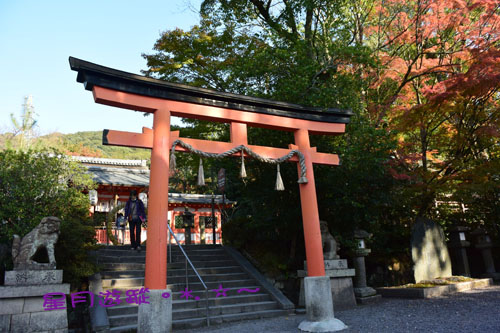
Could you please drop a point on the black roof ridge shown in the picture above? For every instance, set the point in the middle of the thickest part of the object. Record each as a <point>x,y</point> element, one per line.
<point>93,74</point>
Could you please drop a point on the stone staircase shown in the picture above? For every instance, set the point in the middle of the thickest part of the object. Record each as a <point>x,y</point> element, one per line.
<point>123,269</point>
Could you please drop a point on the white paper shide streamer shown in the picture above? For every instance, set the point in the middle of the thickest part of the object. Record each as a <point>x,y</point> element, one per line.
<point>201,174</point>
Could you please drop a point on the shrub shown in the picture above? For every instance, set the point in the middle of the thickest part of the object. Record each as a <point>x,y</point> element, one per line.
<point>35,184</point>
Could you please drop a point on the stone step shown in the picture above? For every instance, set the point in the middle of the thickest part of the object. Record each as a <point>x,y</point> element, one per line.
<point>233,298</point>
<point>136,283</point>
<point>176,295</point>
<point>140,256</point>
<point>208,278</point>
<point>205,270</point>
<point>205,263</point>
<point>122,266</point>
<point>224,310</point>
<point>199,257</point>
<point>176,251</point>
<point>106,274</point>
<point>200,322</point>
<point>182,304</point>
<point>174,247</point>
<point>142,260</point>
<point>214,311</point>
<point>129,258</point>
<point>123,270</point>
<point>192,278</point>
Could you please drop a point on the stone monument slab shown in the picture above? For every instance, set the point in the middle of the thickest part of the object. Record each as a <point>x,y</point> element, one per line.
<point>429,251</point>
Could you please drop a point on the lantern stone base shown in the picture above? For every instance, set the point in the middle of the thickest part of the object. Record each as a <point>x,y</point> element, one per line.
<point>319,306</point>
<point>366,295</point>
<point>157,315</point>
<point>340,284</point>
<point>22,304</point>
<point>364,292</point>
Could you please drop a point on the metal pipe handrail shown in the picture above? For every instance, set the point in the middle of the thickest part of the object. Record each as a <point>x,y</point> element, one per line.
<point>194,269</point>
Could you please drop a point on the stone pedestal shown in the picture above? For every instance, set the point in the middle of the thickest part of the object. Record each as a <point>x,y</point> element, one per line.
<point>483,243</point>
<point>340,283</point>
<point>458,251</point>
<point>157,315</point>
<point>22,304</point>
<point>319,306</point>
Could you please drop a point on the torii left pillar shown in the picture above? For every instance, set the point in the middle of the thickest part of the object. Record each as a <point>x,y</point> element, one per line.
<point>157,315</point>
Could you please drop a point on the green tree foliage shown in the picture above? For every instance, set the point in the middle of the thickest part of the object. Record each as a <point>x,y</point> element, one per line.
<point>23,135</point>
<point>420,76</point>
<point>35,184</point>
<point>90,144</point>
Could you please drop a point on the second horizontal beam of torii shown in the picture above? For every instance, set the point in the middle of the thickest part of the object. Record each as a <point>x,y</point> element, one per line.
<point>145,140</point>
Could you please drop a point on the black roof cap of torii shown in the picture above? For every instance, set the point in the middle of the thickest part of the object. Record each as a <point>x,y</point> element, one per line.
<point>91,74</point>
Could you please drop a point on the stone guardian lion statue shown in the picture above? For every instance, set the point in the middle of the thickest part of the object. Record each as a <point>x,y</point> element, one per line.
<point>330,246</point>
<point>44,235</point>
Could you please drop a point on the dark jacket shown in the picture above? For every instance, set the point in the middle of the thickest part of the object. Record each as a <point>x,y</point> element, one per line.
<point>140,209</point>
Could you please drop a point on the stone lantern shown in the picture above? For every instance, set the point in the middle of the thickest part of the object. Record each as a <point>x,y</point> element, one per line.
<point>484,243</point>
<point>458,250</point>
<point>187,223</point>
<point>364,294</point>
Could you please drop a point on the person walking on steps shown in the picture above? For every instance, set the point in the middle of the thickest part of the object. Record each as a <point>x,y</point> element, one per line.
<point>135,215</point>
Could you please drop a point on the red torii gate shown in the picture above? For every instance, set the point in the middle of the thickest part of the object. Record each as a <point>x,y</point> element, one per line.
<point>164,99</point>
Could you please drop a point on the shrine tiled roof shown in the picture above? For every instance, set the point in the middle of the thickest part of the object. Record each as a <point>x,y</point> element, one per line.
<point>119,176</point>
<point>110,161</point>
<point>182,198</point>
<point>91,75</point>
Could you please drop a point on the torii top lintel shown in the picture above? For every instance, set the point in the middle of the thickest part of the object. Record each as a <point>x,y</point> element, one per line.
<point>191,102</point>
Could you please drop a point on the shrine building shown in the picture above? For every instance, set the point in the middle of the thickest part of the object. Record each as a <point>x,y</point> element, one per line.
<point>117,177</point>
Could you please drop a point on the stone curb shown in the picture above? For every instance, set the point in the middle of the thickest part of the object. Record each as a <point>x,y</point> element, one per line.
<point>433,291</point>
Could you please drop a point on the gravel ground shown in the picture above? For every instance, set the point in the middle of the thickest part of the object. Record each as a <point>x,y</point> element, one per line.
<point>470,311</point>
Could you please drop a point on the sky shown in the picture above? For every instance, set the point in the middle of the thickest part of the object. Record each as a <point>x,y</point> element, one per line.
<point>37,38</point>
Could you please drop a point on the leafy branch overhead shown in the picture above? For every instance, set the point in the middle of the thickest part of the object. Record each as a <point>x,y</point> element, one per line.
<point>422,77</point>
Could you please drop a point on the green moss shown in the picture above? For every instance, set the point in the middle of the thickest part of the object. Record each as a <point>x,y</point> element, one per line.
<point>440,281</point>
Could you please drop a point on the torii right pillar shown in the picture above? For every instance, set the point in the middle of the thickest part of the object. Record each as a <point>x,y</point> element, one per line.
<point>317,288</point>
